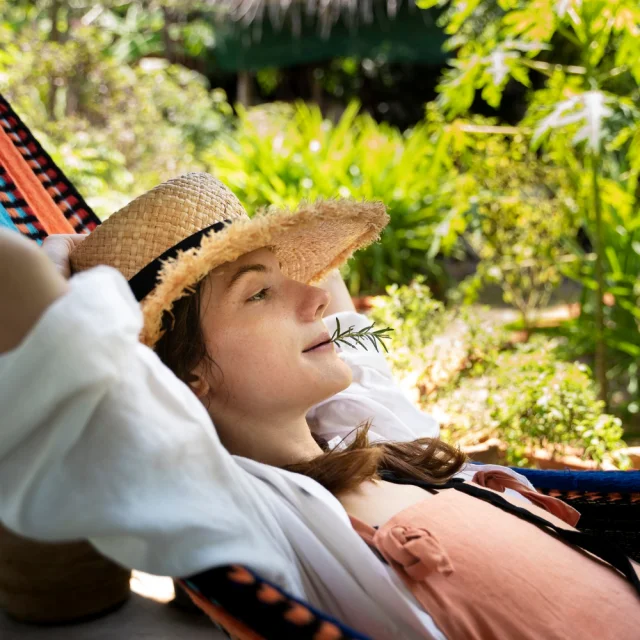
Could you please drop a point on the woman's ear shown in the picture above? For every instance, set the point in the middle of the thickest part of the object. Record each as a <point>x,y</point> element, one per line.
<point>198,385</point>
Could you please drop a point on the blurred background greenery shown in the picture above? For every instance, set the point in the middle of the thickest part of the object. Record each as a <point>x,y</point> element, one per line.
<point>503,135</point>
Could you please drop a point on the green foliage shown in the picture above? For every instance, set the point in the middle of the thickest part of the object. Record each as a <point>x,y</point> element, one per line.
<point>622,311</point>
<point>524,216</point>
<point>581,61</point>
<point>415,318</point>
<point>538,401</point>
<point>282,154</point>
<point>525,395</point>
<point>118,126</point>
<point>367,338</point>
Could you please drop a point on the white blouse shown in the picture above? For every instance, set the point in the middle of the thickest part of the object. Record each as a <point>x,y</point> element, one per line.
<point>99,440</point>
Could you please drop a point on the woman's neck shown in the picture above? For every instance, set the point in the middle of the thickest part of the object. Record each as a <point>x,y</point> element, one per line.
<point>277,442</point>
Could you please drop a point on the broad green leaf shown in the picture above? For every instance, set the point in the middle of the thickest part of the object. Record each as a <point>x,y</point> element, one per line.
<point>626,347</point>
<point>613,260</point>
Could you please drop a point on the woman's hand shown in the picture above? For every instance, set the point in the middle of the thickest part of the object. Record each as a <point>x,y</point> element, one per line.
<point>58,248</point>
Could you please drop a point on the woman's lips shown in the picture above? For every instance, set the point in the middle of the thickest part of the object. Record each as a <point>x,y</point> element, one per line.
<point>323,346</point>
<point>320,340</point>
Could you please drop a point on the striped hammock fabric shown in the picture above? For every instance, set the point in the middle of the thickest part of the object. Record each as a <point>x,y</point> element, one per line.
<point>36,198</point>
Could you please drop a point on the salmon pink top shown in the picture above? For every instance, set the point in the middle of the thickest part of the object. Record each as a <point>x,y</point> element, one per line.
<point>483,573</point>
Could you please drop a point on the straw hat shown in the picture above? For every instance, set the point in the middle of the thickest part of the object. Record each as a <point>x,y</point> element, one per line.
<point>168,239</point>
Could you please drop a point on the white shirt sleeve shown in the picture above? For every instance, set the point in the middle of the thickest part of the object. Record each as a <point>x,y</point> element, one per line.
<point>99,440</point>
<point>373,395</point>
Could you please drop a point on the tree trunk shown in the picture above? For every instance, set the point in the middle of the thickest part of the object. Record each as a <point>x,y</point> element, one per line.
<point>316,88</point>
<point>245,88</point>
<point>54,36</point>
<point>601,354</point>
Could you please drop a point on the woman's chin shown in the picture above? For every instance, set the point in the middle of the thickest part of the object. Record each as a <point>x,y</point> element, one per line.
<point>337,377</point>
<point>323,376</point>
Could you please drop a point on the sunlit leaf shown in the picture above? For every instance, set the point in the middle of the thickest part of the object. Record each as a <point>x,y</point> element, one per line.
<point>535,22</point>
<point>589,109</point>
<point>562,6</point>
<point>498,67</point>
<point>613,260</point>
<point>595,111</point>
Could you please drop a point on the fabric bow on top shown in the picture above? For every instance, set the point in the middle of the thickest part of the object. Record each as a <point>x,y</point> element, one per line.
<point>416,550</point>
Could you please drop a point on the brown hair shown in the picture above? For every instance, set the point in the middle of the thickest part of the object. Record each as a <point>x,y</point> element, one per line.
<point>340,470</point>
<point>182,347</point>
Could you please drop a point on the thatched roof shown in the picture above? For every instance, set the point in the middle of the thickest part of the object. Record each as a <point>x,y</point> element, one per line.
<point>291,14</point>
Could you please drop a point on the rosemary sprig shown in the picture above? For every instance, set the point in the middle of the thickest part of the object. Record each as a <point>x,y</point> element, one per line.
<point>362,337</point>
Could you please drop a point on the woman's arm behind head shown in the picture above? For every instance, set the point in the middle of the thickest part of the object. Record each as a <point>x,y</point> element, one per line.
<point>29,283</point>
<point>340,297</point>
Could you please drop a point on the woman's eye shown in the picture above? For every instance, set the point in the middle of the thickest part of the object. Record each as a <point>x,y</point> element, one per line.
<point>261,295</point>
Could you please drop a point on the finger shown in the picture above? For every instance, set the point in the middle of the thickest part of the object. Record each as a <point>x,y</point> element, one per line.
<point>77,238</point>
<point>57,248</point>
<point>70,239</point>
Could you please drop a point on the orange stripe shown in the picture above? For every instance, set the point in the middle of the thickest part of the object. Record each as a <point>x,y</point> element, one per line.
<point>52,219</point>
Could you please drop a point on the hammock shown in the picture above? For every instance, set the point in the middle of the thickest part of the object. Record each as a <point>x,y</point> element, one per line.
<point>36,199</point>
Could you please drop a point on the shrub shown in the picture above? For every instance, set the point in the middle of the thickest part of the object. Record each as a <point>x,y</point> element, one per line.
<point>415,317</point>
<point>535,400</point>
<point>524,221</point>
<point>465,366</point>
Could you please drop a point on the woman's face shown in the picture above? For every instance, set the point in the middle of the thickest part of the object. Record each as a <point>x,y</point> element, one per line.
<point>260,329</point>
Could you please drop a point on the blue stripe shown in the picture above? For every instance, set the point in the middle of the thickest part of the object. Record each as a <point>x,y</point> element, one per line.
<point>601,481</point>
<point>11,197</point>
<point>5,220</point>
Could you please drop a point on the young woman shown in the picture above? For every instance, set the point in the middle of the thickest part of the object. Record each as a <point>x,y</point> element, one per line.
<point>180,457</point>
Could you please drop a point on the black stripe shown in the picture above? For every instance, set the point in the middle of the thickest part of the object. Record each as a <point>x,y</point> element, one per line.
<point>143,283</point>
<point>18,203</point>
<point>37,235</point>
<point>24,219</point>
<point>60,197</point>
<point>48,183</point>
<point>21,144</point>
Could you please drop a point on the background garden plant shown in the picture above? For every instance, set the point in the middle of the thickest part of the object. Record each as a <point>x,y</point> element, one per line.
<point>523,394</point>
<point>580,60</point>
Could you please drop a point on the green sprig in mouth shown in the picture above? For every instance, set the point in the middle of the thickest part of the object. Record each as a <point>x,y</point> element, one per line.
<point>363,337</point>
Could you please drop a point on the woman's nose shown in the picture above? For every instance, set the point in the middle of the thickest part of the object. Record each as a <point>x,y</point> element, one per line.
<point>323,301</point>
<point>316,300</point>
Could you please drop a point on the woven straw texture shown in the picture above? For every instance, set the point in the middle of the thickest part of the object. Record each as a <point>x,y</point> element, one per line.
<point>309,242</point>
